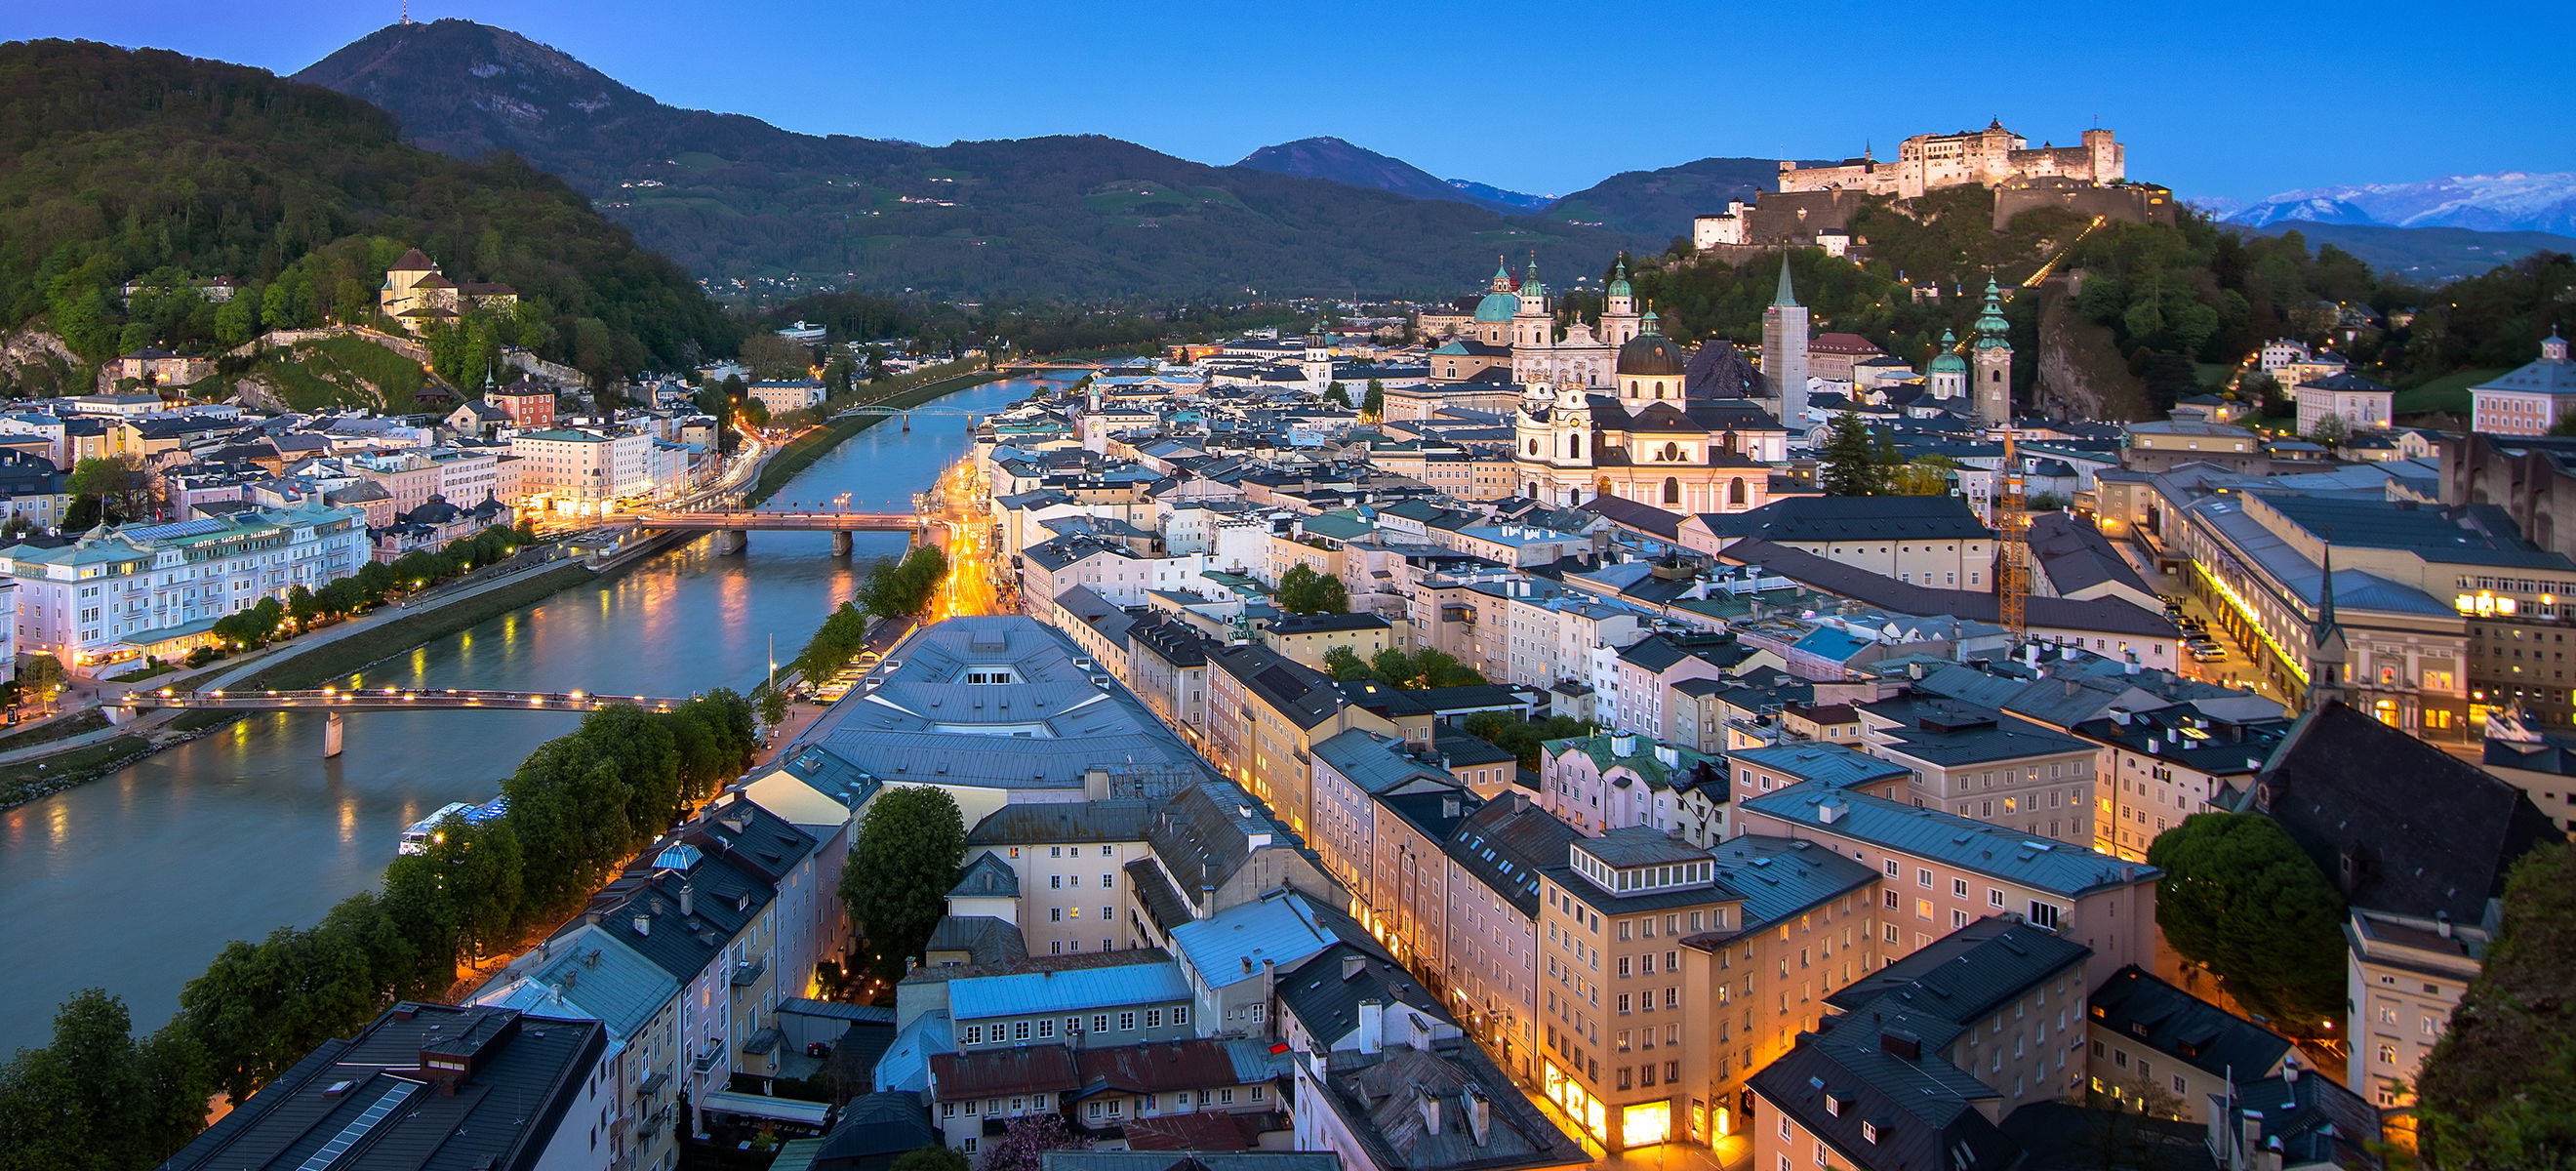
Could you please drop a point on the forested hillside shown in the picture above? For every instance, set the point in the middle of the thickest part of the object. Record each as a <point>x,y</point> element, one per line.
<point>126,165</point>
<point>2174,301</point>
<point>1067,216</point>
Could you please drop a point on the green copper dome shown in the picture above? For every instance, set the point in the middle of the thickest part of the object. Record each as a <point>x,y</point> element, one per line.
<point>1991,325</point>
<point>1948,360</point>
<point>1497,307</point>
<point>1619,280</point>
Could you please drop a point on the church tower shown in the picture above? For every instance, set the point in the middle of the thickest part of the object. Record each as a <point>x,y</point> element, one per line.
<point>1993,361</point>
<point>1318,366</point>
<point>1949,371</point>
<point>1535,325</point>
<point>2328,662</point>
<point>1619,318</point>
<point>1784,351</point>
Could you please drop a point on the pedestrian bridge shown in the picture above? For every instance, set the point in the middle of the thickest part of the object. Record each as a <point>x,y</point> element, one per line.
<point>338,701</point>
<point>733,527</point>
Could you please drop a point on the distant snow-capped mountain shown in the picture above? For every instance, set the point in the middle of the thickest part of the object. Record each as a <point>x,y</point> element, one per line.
<point>2515,201</point>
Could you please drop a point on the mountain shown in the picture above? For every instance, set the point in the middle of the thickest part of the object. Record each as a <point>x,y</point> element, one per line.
<point>1358,166</point>
<point>1496,197</point>
<point>2426,256</point>
<point>2515,201</point>
<point>734,197</point>
<point>1659,204</point>
<point>126,164</point>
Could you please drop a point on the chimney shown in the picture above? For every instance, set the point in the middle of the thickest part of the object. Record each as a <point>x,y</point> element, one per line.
<point>643,924</point>
<point>2442,923</point>
<point>688,898</point>
<point>1430,1113</point>
<point>1480,1115</point>
<point>1372,1026</point>
<point>590,918</point>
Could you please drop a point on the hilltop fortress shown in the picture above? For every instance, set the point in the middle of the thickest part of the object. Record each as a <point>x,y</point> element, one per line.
<point>1992,157</point>
<point>1814,205</point>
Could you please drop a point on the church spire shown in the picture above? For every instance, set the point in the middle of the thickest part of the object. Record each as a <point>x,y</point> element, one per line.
<point>1991,326</point>
<point>1786,295</point>
<point>2326,662</point>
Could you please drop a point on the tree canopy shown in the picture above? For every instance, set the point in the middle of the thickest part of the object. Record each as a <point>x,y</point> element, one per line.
<point>907,857</point>
<point>2499,1090</point>
<point>1304,591</point>
<point>148,164</point>
<point>2239,897</point>
<point>1401,669</point>
<point>97,1099</point>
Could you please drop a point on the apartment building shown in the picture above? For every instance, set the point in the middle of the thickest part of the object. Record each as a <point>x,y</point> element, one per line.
<point>1668,970</point>
<point>1944,871</point>
<point>1614,780</point>
<point>1926,1059</point>
<point>1265,715</point>
<point>2159,766</point>
<point>1978,762</point>
<point>2171,1053</point>
<point>583,471</point>
<point>1068,862</point>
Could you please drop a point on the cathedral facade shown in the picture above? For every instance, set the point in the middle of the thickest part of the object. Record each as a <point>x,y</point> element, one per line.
<point>1646,433</point>
<point>1512,336</point>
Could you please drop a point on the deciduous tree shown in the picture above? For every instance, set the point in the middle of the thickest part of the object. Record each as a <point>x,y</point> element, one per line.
<point>900,870</point>
<point>2499,1090</point>
<point>2240,898</point>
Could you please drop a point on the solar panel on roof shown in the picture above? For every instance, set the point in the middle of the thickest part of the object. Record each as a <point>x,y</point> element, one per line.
<point>185,528</point>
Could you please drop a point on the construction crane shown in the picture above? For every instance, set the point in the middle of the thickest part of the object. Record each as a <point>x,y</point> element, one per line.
<point>2012,586</point>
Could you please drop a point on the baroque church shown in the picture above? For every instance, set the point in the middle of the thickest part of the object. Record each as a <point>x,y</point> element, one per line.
<point>1513,335</point>
<point>1653,430</point>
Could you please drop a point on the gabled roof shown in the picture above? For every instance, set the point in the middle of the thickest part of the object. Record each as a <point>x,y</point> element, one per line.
<point>2144,1009</point>
<point>2398,825</point>
<point>1985,848</point>
<point>987,877</point>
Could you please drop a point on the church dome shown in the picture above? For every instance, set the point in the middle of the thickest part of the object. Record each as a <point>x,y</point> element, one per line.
<point>1650,355</point>
<point>1497,307</point>
<point>1948,360</point>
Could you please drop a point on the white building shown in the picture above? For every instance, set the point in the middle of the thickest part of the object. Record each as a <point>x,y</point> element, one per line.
<point>116,595</point>
<point>583,471</point>
<point>782,397</point>
<point>2363,405</point>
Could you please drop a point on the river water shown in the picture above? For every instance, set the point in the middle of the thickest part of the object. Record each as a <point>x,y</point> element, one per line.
<point>133,882</point>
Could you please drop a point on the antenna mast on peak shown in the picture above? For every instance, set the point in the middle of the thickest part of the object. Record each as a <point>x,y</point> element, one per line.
<point>406,11</point>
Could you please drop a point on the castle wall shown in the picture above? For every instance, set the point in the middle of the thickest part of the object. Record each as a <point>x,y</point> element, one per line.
<point>2143,203</point>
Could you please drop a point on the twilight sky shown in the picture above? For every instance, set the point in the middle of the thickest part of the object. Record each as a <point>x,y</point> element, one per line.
<point>2234,99</point>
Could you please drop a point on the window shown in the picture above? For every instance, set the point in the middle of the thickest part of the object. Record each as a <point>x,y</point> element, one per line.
<point>1153,1018</point>
<point>1055,914</point>
<point>974,1034</point>
<point>1046,1028</point>
<point>1868,1131</point>
<point>1994,896</point>
<point>1100,1022</point>
<point>1126,1021</point>
<point>1055,882</point>
<point>1923,878</point>
<point>1180,1015</point>
<point>1959,887</point>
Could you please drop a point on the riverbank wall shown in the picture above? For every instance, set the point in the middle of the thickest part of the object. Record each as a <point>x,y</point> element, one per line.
<point>801,453</point>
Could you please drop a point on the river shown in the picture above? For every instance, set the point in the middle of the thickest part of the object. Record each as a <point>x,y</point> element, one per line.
<point>133,882</point>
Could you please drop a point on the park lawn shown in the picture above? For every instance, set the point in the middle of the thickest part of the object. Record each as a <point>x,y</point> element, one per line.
<point>2448,394</point>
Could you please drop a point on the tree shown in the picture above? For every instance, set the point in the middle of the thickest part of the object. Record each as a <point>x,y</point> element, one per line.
<point>1524,739</point>
<point>1337,394</point>
<point>754,412</point>
<point>1849,464</point>
<point>2331,431</point>
<point>2499,1090</point>
<point>94,1099</point>
<point>2240,898</point>
<point>930,1159</point>
<point>120,483</point>
<point>773,357</point>
<point>1346,665</point>
<point>1304,591</point>
<point>906,859</point>
<point>1928,476</point>
<point>40,673</point>
<point>1374,404</point>
<point>1026,1140</point>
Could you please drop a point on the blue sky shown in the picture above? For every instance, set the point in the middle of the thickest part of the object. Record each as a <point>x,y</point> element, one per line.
<point>2236,100</point>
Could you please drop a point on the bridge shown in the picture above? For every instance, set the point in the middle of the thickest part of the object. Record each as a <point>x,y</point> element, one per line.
<point>732,524</point>
<point>337,701</point>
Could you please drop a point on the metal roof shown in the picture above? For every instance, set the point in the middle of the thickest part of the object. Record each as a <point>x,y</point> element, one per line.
<point>1078,990</point>
<point>1992,850</point>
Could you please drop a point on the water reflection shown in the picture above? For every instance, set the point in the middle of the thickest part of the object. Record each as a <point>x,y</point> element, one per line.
<point>134,881</point>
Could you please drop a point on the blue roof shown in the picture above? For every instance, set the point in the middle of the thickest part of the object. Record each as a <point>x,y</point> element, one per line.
<point>1075,990</point>
<point>1230,946</point>
<point>1992,850</point>
<point>906,1064</point>
<point>1831,645</point>
<point>592,976</point>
